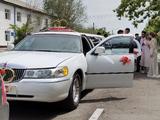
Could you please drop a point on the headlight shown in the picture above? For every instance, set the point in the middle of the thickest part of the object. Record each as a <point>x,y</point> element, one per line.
<point>46,73</point>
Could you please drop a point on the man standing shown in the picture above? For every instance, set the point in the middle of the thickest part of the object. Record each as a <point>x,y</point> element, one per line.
<point>137,37</point>
<point>142,42</point>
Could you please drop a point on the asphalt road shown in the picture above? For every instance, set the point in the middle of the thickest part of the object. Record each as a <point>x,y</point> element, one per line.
<point>142,102</point>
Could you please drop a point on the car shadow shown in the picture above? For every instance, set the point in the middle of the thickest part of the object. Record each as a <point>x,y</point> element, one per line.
<point>35,111</point>
<point>102,100</point>
<point>85,92</point>
<point>23,110</point>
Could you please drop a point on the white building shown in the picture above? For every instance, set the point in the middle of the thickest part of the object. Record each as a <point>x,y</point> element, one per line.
<point>16,12</point>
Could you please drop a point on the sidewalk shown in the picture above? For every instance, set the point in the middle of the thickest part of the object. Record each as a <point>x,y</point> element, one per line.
<point>3,49</point>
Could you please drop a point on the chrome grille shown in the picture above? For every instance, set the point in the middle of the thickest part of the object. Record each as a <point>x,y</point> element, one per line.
<point>19,73</point>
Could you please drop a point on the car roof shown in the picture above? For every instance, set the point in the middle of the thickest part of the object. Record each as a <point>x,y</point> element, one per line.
<point>118,35</point>
<point>93,35</point>
<point>58,33</point>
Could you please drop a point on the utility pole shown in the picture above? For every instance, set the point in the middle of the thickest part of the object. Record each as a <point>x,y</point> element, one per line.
<point>93,27</point>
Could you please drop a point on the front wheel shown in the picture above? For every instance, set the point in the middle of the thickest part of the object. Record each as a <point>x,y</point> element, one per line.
<point>73,98</point>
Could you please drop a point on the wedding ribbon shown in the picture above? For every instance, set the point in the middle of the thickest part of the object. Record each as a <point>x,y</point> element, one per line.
<point>4,98</point>
<point>3,89</point>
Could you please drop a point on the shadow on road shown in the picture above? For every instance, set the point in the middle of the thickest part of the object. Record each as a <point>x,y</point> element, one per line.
<point>102,100</point>
<point>85,92</point>
<point>38,111</point>
<point>35,111</point>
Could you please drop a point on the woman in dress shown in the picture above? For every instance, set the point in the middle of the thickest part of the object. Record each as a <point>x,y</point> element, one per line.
<point>145,57</point>
<point>153,67</point>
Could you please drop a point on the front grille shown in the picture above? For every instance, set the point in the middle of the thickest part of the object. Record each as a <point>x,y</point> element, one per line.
<point>19,73</point>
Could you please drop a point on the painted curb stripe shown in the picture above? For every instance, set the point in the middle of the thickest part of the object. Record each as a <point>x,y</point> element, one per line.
<point>110,73</point>
<point>96,114</point>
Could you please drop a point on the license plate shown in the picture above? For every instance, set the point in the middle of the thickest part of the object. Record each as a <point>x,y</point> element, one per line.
<point>10,89</point>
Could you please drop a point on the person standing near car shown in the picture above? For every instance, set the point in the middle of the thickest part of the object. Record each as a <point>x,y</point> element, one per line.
<point>138,38</point>
<point>120,31</point>
<point>146,55</point>
<point>153,68</point>
<point>142,42</point>
<point>127,31</point>
<point>132,44</point>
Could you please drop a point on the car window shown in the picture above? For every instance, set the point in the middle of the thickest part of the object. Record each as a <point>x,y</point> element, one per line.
<point>118,45</point>
<point>86,45</point>
<point>55,43</point>
<point>95,40</point>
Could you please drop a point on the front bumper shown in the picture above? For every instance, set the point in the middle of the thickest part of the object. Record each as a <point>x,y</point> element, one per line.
<point>39,91</point>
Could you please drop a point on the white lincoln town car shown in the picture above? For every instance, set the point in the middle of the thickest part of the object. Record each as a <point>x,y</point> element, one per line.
<point>57,66</point>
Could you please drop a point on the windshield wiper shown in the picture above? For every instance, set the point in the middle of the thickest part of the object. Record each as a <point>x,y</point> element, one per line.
<point>47,50</point>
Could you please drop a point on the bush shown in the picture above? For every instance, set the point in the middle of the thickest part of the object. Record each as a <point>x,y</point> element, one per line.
<point>21,32</point>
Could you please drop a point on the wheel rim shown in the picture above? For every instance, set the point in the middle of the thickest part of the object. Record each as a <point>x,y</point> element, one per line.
<point>76,90</point>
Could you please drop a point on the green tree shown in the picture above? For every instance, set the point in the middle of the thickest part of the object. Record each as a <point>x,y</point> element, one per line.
<point>72,11</point>
<point>103,32</point>
<point>21,32</point>
<point>138,10</point>
<point>153,25</point>
<point>100,31</point>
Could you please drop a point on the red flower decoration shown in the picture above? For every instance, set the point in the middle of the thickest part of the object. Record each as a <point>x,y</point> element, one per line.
<point>2,72</point>
<point>125,60</point>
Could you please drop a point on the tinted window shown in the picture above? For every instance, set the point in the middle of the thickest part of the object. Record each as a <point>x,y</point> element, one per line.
<point>118,45</point>
<point>120,42</point>
<point>86,45</point>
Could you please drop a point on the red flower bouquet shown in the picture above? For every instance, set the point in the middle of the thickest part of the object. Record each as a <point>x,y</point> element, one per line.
<point>125,60</point>
<point>2,72</point>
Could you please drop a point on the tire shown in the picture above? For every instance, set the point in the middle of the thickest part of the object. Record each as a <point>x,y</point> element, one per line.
<point>73,98</point>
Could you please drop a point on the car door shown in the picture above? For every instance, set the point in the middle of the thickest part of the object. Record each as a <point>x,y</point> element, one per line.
<point>111,69</point>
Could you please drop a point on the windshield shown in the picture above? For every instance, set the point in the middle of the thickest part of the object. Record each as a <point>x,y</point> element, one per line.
<point>52,43</point>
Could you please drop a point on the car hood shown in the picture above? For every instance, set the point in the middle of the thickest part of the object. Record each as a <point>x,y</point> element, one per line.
<point>30,59</point>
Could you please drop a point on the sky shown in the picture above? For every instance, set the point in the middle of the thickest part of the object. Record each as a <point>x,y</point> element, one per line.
<point>100,12</point>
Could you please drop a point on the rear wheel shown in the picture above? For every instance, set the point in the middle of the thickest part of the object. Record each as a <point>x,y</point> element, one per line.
<point>73,98</point>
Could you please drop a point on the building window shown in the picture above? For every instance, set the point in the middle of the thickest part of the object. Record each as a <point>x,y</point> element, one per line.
<point>38,20</point>
<point>46,22</point>
<point>19,16</point>
<point>7,35</point>
<point>7,14</point>
<point>29,19</point>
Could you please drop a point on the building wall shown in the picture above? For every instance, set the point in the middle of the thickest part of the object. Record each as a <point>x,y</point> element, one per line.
<point>4,23</point>
<point>38,21</point>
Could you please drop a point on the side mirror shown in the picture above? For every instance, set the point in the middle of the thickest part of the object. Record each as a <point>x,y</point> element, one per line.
<point>10,46</point>
<point>99,50</point>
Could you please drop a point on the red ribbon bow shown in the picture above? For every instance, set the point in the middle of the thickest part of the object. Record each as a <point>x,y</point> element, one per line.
<point>125,60</point>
